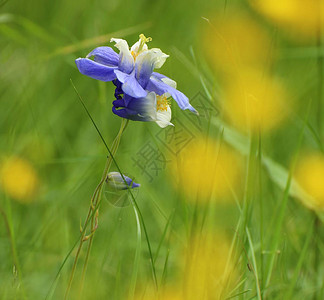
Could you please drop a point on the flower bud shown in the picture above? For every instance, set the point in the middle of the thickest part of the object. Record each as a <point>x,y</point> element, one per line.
<point>116,181</point>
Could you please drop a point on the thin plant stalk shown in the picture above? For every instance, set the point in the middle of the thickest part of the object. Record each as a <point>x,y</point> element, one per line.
<point>93,209</point>
<point>96,203</point>
<point>261,210</point>
<point>283,206</point>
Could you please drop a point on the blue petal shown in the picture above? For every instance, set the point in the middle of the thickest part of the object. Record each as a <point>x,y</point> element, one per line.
<point>130,84</point>
<point>128,99</point>
<point>158,86</point>
<point>118,91</point>
<point>119,103</point>
<point>129,114</point>
<point>158,75</point>
<point>121,76</point>
<point>120,112</point>
<point>95,70</point>
<point>135,185</point>
<point>143,73</point>
<point>133,88</point>
<point>126,64</point>
<point>128,180</point>
<point>105,55</point>
<point>144,66</point>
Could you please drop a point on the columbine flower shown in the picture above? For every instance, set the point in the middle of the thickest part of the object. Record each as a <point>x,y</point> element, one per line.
<point>116,181</point>
<point>132,73</point>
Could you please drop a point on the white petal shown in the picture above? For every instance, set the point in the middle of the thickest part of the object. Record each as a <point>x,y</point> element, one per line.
<point>169,82</point>
<point>154,57</point>
<point>150,106</point>
<point>164,118</point>
<point>160,57</point>
<point>120,43</point>
<point>126,62</point>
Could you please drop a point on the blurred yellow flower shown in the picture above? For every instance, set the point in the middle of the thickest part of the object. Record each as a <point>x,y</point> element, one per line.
<point>209,271</point>
<point>299,17</point>
<point>19,179</point>
<point>310,175</point>
<point>205,169</point>
<point>171,295</point>
<point>236,41</point>
<point>206,270</point>
<point>164,294</point>
<point>255,102</point>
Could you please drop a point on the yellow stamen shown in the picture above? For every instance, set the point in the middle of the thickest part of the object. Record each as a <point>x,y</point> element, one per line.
<point>143,41</point>
<point>162,103</point>
<point>134,54</point>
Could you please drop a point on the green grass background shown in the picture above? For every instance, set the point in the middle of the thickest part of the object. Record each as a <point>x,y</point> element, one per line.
<point>42,120</point>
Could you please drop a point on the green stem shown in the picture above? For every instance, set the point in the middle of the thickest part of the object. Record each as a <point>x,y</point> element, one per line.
<point>79,248</point>
<point>249,188</point>
<point>94,205</point>
<point>248,196</point>
<point>261,211</point>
